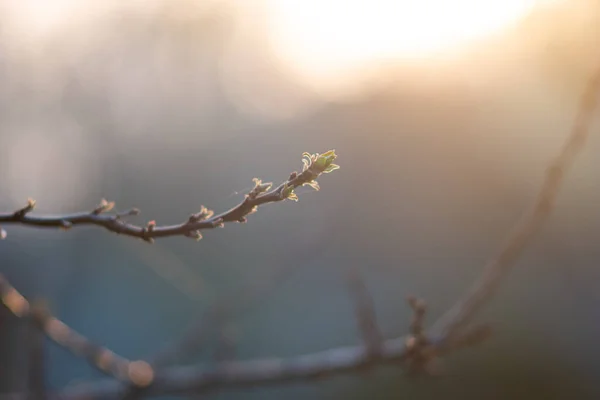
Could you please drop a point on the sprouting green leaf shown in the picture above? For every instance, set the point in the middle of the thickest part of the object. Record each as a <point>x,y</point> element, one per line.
<point>260,187</point>
<point>331,168</point>
<point>105,205</point>
<point>286,191</point>
<point>329,154</point>
<point>205,213</point>
<point>306,164</point>
<point>307,160</point>
<point>324,160</point>
<point>313,184</point>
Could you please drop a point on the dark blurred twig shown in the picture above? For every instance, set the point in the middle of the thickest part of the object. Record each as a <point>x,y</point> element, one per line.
<point>202,329</point>
<point>35,334</point>
<point>251,373</point>
<point>222,310</point>
<point>135,372</point>
<point>418,345</point>
<point>218,313</point>
<point>364,310</point>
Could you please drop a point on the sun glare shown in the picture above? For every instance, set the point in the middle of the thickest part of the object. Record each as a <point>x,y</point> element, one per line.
<point>40,16</point>
<point>325,40</point>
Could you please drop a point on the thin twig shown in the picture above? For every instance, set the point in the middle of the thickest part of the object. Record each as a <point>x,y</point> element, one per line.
<point>364,310</point>
<point>484,288</point>
<point>135,372</point>
<point>36,376</point>
<point>239,300</point>
<point>257,372</point>
<point>268,371</point>
<point>316,165</point>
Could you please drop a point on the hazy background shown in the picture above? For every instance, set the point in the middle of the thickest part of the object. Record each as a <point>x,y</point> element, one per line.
<point>168,105</point>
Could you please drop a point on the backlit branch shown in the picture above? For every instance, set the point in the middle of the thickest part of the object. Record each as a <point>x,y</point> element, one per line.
<point>135,372</point>
<point>140,373</point>
<point>484,288</point>
<point>314,166</point>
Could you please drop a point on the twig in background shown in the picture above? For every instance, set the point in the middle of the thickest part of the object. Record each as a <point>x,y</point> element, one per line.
<point>419,349</point>
<point>459,316</point>
<point>227,339</point>
<point>364,311</point>
<point>36,377</point>
<point>241,299</point>
<point>135,372</point>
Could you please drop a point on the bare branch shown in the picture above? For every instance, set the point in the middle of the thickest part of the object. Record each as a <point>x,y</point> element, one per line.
<point>227,339</point>
<point>135,372</point>
<point>36,376</point>
<point>365,312</point>
<point>420,350</point>
<point>484,288</point>
<point>198,379</point>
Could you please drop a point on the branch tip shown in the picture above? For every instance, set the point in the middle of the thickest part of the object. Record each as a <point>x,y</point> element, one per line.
<point>140,373</point>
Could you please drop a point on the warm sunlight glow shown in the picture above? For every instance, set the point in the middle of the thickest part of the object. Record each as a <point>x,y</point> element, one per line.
<point>328,39</point>
<point>38,17</point>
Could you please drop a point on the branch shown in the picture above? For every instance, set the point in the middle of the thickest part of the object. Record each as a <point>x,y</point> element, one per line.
<point>484,288</point>
<point>258,372</point>
<point>365,312</point>
<point>314,166</point>
<point>36,376</point>
<point>188,380</point>
<point>134,372</point>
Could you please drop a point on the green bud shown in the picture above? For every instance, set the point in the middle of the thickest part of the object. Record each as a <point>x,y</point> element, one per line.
<point>324,160</point>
